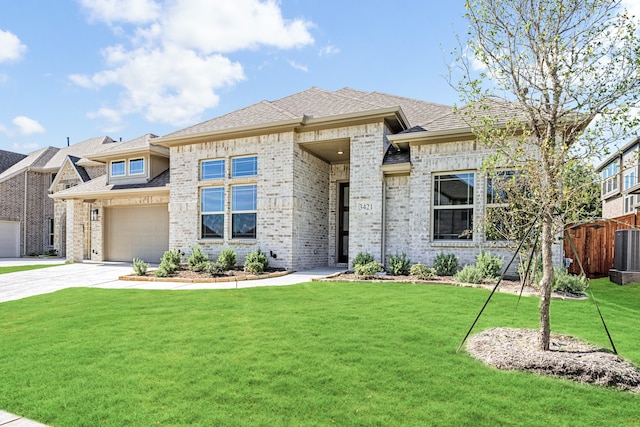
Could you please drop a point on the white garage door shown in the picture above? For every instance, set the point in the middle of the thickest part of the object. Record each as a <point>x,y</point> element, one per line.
<point>9,239</point>
<point>136,232</point>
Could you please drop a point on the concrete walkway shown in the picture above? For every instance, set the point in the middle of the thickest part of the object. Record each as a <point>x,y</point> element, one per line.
<point>25,284</point>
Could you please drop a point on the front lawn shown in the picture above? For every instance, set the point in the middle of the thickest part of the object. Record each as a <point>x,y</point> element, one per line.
<point>313,354</point>
<point>15,268</point>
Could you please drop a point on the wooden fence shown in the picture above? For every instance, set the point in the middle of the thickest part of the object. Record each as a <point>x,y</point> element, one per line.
<point>595,242</point>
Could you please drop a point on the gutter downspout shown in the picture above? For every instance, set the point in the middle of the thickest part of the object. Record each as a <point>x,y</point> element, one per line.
<point>383,225</point>
<point>24,219</point>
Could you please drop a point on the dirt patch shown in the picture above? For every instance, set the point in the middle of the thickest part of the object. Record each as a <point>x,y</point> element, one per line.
<point>568,357</point>
<point>186,275</point>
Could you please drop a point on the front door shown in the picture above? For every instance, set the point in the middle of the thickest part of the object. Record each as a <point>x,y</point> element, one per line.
<point>343,223</point>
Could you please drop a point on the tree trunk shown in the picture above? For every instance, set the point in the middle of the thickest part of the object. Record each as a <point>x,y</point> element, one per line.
<point>547,281</point>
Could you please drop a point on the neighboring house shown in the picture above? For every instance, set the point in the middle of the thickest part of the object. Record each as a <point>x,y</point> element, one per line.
<point>620,184</point>
<point>27,218</point>
<point>122,214</point>
<point>311,179</point>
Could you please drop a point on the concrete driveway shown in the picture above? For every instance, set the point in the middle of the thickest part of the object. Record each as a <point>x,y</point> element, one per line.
<point>105,275</point>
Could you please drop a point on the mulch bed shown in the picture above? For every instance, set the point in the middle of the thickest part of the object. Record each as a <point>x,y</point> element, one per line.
<point>568,357</point>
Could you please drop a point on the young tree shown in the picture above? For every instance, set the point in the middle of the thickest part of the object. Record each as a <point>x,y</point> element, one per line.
<point>558,81</point>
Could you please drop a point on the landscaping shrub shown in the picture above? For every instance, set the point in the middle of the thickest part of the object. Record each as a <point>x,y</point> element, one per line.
<point>565,282</point>
<point>422,271</point>
<point>399,265</point>
<point>139,267</point>
<point>469,274</point>
<point>169,263</point>
<point>367,270</point>
<point>362,258</point>
<point>256,262</point>
<point>227,259</point>
<point>196,259</point>
<point>213,268</point>
<point>489,266</point>
<point>445,264</point>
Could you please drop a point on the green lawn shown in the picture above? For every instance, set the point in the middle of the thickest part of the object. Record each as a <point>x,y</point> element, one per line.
<point>314,354</point>
<point>14,268</point>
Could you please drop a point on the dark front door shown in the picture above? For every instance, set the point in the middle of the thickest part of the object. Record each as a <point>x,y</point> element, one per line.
<point>343,223</point>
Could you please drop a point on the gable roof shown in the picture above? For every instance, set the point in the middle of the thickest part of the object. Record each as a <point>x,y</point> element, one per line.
<point>80,150</point>
<point>142,144</point>
<point>72,161</point>
<point>8,159</point>
<point>315,103</point>
<point>34,160</point>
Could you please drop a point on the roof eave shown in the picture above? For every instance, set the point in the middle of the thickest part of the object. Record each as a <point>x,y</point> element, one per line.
<point>402,141</point>
<point>105,157</point>
<point>103,194</point>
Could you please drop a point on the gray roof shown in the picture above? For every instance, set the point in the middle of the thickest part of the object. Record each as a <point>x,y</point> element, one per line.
<point>81,149</point>
<point>8,159</point>
<point>394,156</point>
<point>143,141</point>
<point>36,159</point>
<point>100,185</point>
<point>317,103</point>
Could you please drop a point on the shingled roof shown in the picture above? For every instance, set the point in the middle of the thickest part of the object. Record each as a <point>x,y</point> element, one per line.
<point>8,159</point>
<point>34,160</point>
<point>317,103</point>
<point>80,150</point>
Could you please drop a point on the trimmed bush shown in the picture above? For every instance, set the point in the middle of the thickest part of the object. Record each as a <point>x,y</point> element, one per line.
<point>139,267</point>
<point>196,259</point>
<point>446,264</point>
<point>565,282</point>
<point>399,265</point>
<point>362,258</point>
<point>169,263</point>
<point>227,259</point>
<point>213,268</point>
<point>256,262</point>
<point>422,271</point>
<point>469,274</point>
<point>489,266</point>
<point>367,270</point>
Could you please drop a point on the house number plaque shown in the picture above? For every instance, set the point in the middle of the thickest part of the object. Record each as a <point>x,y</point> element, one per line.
<point>365,206</point>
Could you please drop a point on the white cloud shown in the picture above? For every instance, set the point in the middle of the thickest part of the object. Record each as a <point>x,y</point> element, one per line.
<point>329,50</point>
<point>115,11</point>
<point>176,64</point>
<point>11,48</point>
<point>297,66</point>
<point>27,126</point>
<point>633,7</point>
<point>226,26</point>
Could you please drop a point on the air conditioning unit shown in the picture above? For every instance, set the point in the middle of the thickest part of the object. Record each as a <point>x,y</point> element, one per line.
<point>627,250</point>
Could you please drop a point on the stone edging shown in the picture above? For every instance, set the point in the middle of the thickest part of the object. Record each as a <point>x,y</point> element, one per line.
<point>134,278</point>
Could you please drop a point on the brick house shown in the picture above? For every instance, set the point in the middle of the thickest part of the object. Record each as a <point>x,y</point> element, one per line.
<point>27,214</point>
<point>310,179</point>
<point>620,181</point>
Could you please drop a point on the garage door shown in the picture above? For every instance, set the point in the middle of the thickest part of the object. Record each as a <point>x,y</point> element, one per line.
<point>9,239</point>
<point>136,232</point>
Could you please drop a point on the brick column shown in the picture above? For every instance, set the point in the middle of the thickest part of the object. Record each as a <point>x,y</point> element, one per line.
<point>75,231</point>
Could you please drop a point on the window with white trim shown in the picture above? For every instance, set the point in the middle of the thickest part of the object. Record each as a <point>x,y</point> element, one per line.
<point>136,166</point>
<point>244,166</point>
<point>212,213</point>
<point>453,206</point>
<point>610,178</point>
<point>243,211</point>
<point>629,199</point>
<point>212,169</point>
<point>118,168</point>
<point>498,187</point>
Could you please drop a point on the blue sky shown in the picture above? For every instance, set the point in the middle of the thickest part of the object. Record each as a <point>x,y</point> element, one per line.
<point>123,68</point>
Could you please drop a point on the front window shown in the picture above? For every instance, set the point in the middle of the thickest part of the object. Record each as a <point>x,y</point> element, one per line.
<point>136,166</point>
<point>243,211</point>
<point>117,168</point>
<point>51,231</point>
<point>212,169</point>
<point>498,188</point>
<point>610,178</point>
<point>212,213</point>
<point>244,166</point>
<point>453,206</point>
